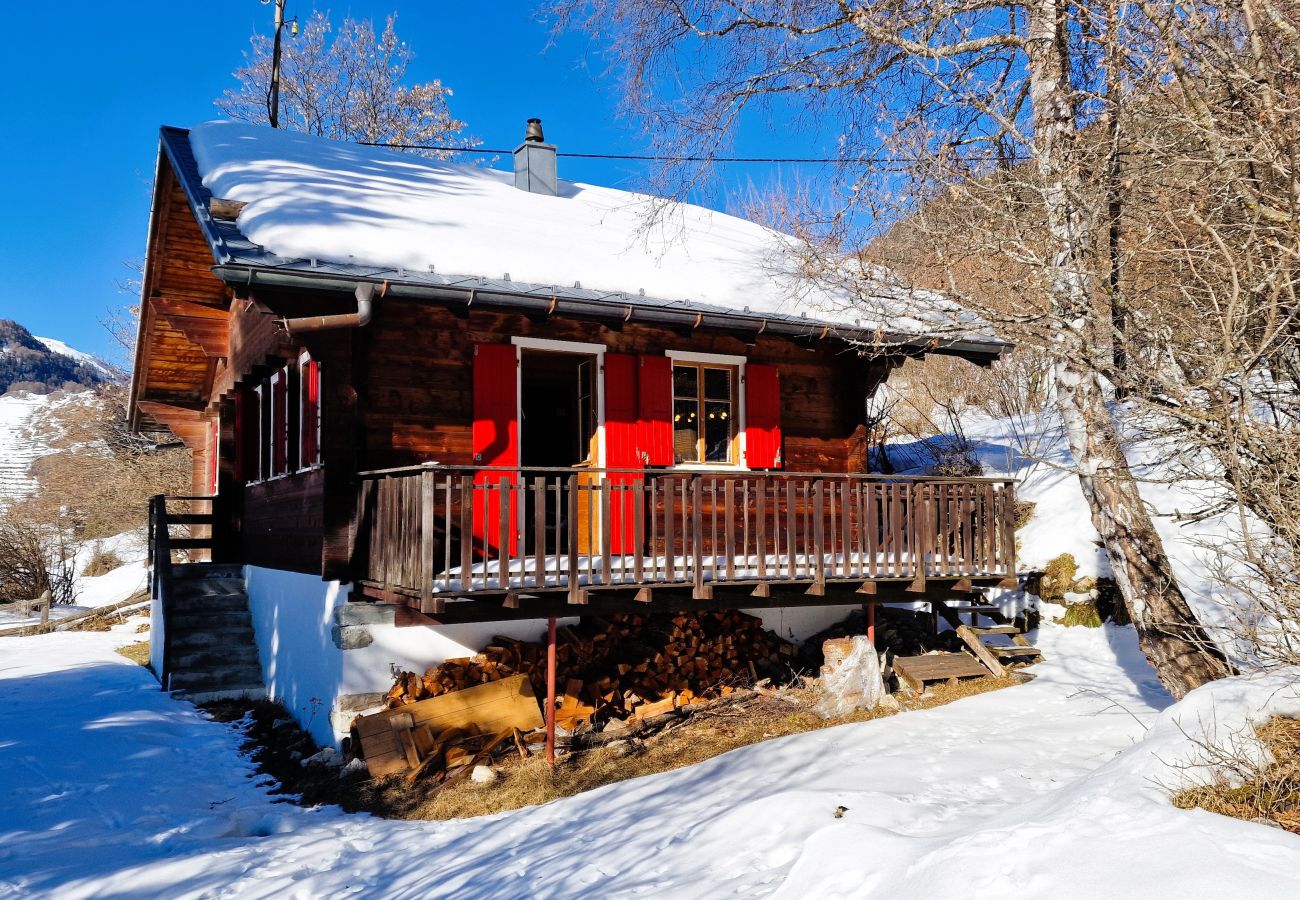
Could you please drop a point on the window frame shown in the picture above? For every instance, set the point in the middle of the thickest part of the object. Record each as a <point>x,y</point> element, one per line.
<point>305,362</point>
<point>736,445</point>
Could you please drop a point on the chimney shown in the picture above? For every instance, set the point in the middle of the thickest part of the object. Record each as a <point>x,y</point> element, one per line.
<point>535,162</point>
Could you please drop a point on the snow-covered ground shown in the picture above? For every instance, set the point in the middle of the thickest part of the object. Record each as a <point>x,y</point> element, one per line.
<point>99,590</point>
<point>1052,789</point>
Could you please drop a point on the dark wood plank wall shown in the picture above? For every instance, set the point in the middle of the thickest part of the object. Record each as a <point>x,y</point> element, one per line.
<point>283,523</point>
<point>417,403</point>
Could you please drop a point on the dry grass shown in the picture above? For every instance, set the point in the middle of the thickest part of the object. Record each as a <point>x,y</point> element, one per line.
<point>1270,793</point>
<point>138,652</point>
<point>705,735</point>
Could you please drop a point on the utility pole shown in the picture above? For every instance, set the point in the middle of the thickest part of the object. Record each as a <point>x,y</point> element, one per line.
<point>274,100</point>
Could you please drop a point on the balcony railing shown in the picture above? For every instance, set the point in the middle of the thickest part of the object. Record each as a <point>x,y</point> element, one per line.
<point>433,532</point>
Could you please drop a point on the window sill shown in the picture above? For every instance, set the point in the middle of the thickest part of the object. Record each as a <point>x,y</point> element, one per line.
<point>706,467</point>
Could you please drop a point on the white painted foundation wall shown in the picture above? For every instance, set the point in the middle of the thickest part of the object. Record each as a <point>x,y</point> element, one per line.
<point>304,669</point>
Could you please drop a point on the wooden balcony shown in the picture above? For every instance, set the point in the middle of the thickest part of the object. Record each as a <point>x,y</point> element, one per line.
<point>432,535</point>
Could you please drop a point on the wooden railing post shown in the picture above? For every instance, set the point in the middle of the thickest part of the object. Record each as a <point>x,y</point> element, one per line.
<point>571,528</point>
<point>428,522</point>
<point>818,588</point>
<point>701,591</point>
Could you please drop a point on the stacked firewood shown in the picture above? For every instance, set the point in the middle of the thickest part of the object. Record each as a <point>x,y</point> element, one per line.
<point>621,666</point>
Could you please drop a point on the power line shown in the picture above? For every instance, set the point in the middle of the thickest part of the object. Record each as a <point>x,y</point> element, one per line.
<point>682,159</point>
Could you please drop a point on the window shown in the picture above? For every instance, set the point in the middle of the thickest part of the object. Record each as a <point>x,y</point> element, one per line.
<point>278,422</point>
<point>278,433</point>
<point>308,411</point>
<point>262,430</point>
<point>704,413</point>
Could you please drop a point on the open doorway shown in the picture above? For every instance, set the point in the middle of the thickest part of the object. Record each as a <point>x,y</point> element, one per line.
<point>558,412</point>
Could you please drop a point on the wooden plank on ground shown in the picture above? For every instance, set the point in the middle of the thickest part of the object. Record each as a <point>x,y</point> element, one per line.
<point>939,667</point>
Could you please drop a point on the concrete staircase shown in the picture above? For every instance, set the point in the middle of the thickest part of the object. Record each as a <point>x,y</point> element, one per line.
<point>212,646</point>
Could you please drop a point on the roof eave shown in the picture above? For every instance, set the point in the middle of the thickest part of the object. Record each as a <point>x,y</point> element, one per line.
<point>625,311</point>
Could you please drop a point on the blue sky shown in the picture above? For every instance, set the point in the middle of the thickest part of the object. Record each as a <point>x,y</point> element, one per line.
<point>87,84</point>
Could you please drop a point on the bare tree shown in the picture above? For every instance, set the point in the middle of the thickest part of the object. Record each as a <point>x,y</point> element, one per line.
<point>349,85</point>
<point>972,123</point>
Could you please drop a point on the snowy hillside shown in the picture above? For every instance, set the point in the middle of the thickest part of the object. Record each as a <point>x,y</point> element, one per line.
<point>40,365</point>
<point>27,431</point>
<point>62,349</point>
<point>19,445</point>
<point>35,373</point>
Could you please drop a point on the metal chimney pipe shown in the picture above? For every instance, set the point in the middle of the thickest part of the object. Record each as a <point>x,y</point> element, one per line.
<point>535,162</point>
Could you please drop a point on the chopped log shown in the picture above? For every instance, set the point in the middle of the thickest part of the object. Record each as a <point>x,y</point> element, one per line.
<point>488,708</point>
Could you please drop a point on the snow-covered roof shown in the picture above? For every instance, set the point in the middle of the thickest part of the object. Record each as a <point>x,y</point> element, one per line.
<point>327,206</point>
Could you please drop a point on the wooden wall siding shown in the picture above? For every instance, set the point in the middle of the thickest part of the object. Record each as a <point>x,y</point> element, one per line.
<point>282,523</point>
<point>255,340</point>
<point>181,334</point>
<point>418,397</point>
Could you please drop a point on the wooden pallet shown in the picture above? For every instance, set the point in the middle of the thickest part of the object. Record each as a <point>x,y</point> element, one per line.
<point>915,671</point>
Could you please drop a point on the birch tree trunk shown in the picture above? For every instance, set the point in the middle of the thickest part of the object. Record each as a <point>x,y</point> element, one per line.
<point>1171,637</point>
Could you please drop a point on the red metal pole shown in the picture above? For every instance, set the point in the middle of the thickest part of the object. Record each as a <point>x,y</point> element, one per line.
<point>550,692</point>
<point>871,623</point>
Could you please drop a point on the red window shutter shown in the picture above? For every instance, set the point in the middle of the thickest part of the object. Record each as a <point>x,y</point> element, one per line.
<point>495,442</point>
<point>655,416</point>
<point>621,420</point>
<point>310,413</point>
<point>762,417</point>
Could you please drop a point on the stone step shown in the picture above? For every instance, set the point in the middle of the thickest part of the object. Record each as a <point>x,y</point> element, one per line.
<point>209,655</point>
<point>216,678</point>
<point>238,636</point>
<point>206,617</point>
<point>252,691</point>
<point>995,629</point>
<point>207,587</point>
<point>214,603</point>
<point>186,571</point>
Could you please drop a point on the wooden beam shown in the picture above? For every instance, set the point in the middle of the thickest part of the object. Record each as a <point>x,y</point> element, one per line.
<point>489,607</point>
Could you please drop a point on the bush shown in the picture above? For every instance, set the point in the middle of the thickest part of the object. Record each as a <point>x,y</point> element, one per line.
<point>1024,511</point>
<point>1081,614</point>
<point>35,559</point>
<point>1057,578</point>
<point>101,563</point>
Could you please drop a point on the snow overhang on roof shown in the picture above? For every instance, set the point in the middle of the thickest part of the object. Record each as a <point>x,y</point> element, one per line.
<point>325,215</point>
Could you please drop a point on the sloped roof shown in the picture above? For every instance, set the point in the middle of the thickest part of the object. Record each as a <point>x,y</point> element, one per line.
<point>326,210</point>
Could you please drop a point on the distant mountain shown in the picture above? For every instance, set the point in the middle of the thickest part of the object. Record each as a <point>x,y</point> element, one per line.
<point>41,365</point>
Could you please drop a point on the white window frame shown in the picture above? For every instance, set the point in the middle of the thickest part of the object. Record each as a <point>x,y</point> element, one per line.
<point>579,348</point>
<point>742,400</point>
<point>303,358</point>
<point>280,374</point>
<point>260,390</point>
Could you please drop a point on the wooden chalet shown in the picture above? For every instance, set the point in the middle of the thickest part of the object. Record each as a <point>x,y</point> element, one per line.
<point>474,445</point>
